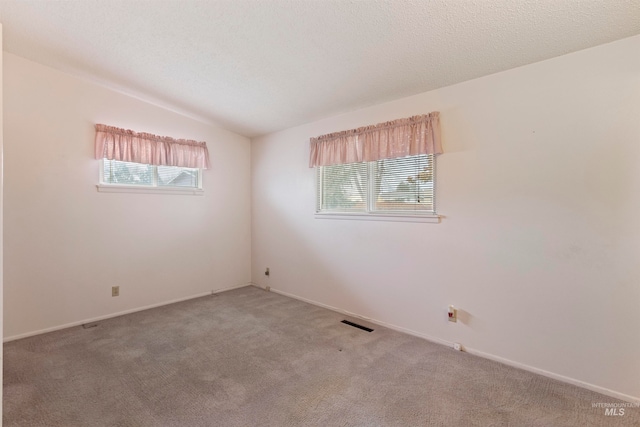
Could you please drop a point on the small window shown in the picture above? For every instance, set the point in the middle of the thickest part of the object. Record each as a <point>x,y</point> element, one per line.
<point>115,172</point>
<point>401,186</point>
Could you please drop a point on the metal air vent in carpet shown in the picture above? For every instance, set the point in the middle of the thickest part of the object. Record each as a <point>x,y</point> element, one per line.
<point>355,325</point>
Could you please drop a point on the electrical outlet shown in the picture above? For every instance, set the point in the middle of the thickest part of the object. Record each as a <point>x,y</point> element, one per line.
<point>452,314</point>
<point>115,291</point>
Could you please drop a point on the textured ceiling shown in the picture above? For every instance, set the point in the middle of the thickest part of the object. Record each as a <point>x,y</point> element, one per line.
<point>256,66</point>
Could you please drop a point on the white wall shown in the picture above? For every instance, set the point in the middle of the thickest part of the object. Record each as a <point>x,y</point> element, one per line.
<point>66,244</point>
<point>540,242</point>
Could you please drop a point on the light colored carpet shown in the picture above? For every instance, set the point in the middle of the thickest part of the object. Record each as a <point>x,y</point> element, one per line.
<point>253,358</point>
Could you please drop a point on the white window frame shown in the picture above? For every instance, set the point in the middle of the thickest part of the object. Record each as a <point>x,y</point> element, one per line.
<point>372,214</point>
<point>105,187</point>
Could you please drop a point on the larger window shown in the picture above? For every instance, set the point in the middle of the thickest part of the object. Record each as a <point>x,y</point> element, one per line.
<point>115,172</point>
<point>400,186</point>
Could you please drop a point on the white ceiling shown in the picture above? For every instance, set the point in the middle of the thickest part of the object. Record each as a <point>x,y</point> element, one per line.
<point>256,66</point>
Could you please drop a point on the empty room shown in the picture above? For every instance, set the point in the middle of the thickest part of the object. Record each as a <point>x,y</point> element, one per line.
<point>320,213</point>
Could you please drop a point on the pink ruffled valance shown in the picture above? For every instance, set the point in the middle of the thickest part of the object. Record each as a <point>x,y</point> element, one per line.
<point>128,146</point>
<point>398,138</point>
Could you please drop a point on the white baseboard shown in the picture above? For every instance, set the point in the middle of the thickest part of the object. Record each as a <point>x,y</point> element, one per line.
<point>119,313</point>
<point>562,378</point>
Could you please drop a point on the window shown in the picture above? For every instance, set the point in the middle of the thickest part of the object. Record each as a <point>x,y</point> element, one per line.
<point>127,174</point>
<point>398,187</point>
<point>134,162</point>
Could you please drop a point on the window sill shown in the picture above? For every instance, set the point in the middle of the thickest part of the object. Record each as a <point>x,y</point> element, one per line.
<point>106,188</point>
<point>433,218</point>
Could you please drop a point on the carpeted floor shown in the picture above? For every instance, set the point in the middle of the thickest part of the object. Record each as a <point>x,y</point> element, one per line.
<point>253,358</point>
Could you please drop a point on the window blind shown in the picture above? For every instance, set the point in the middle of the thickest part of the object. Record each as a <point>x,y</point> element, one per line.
<point>404,184</point>
<point>116,172</point>
<point>342,188</point>
<point>174,176</point>
<point>129,173</point>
